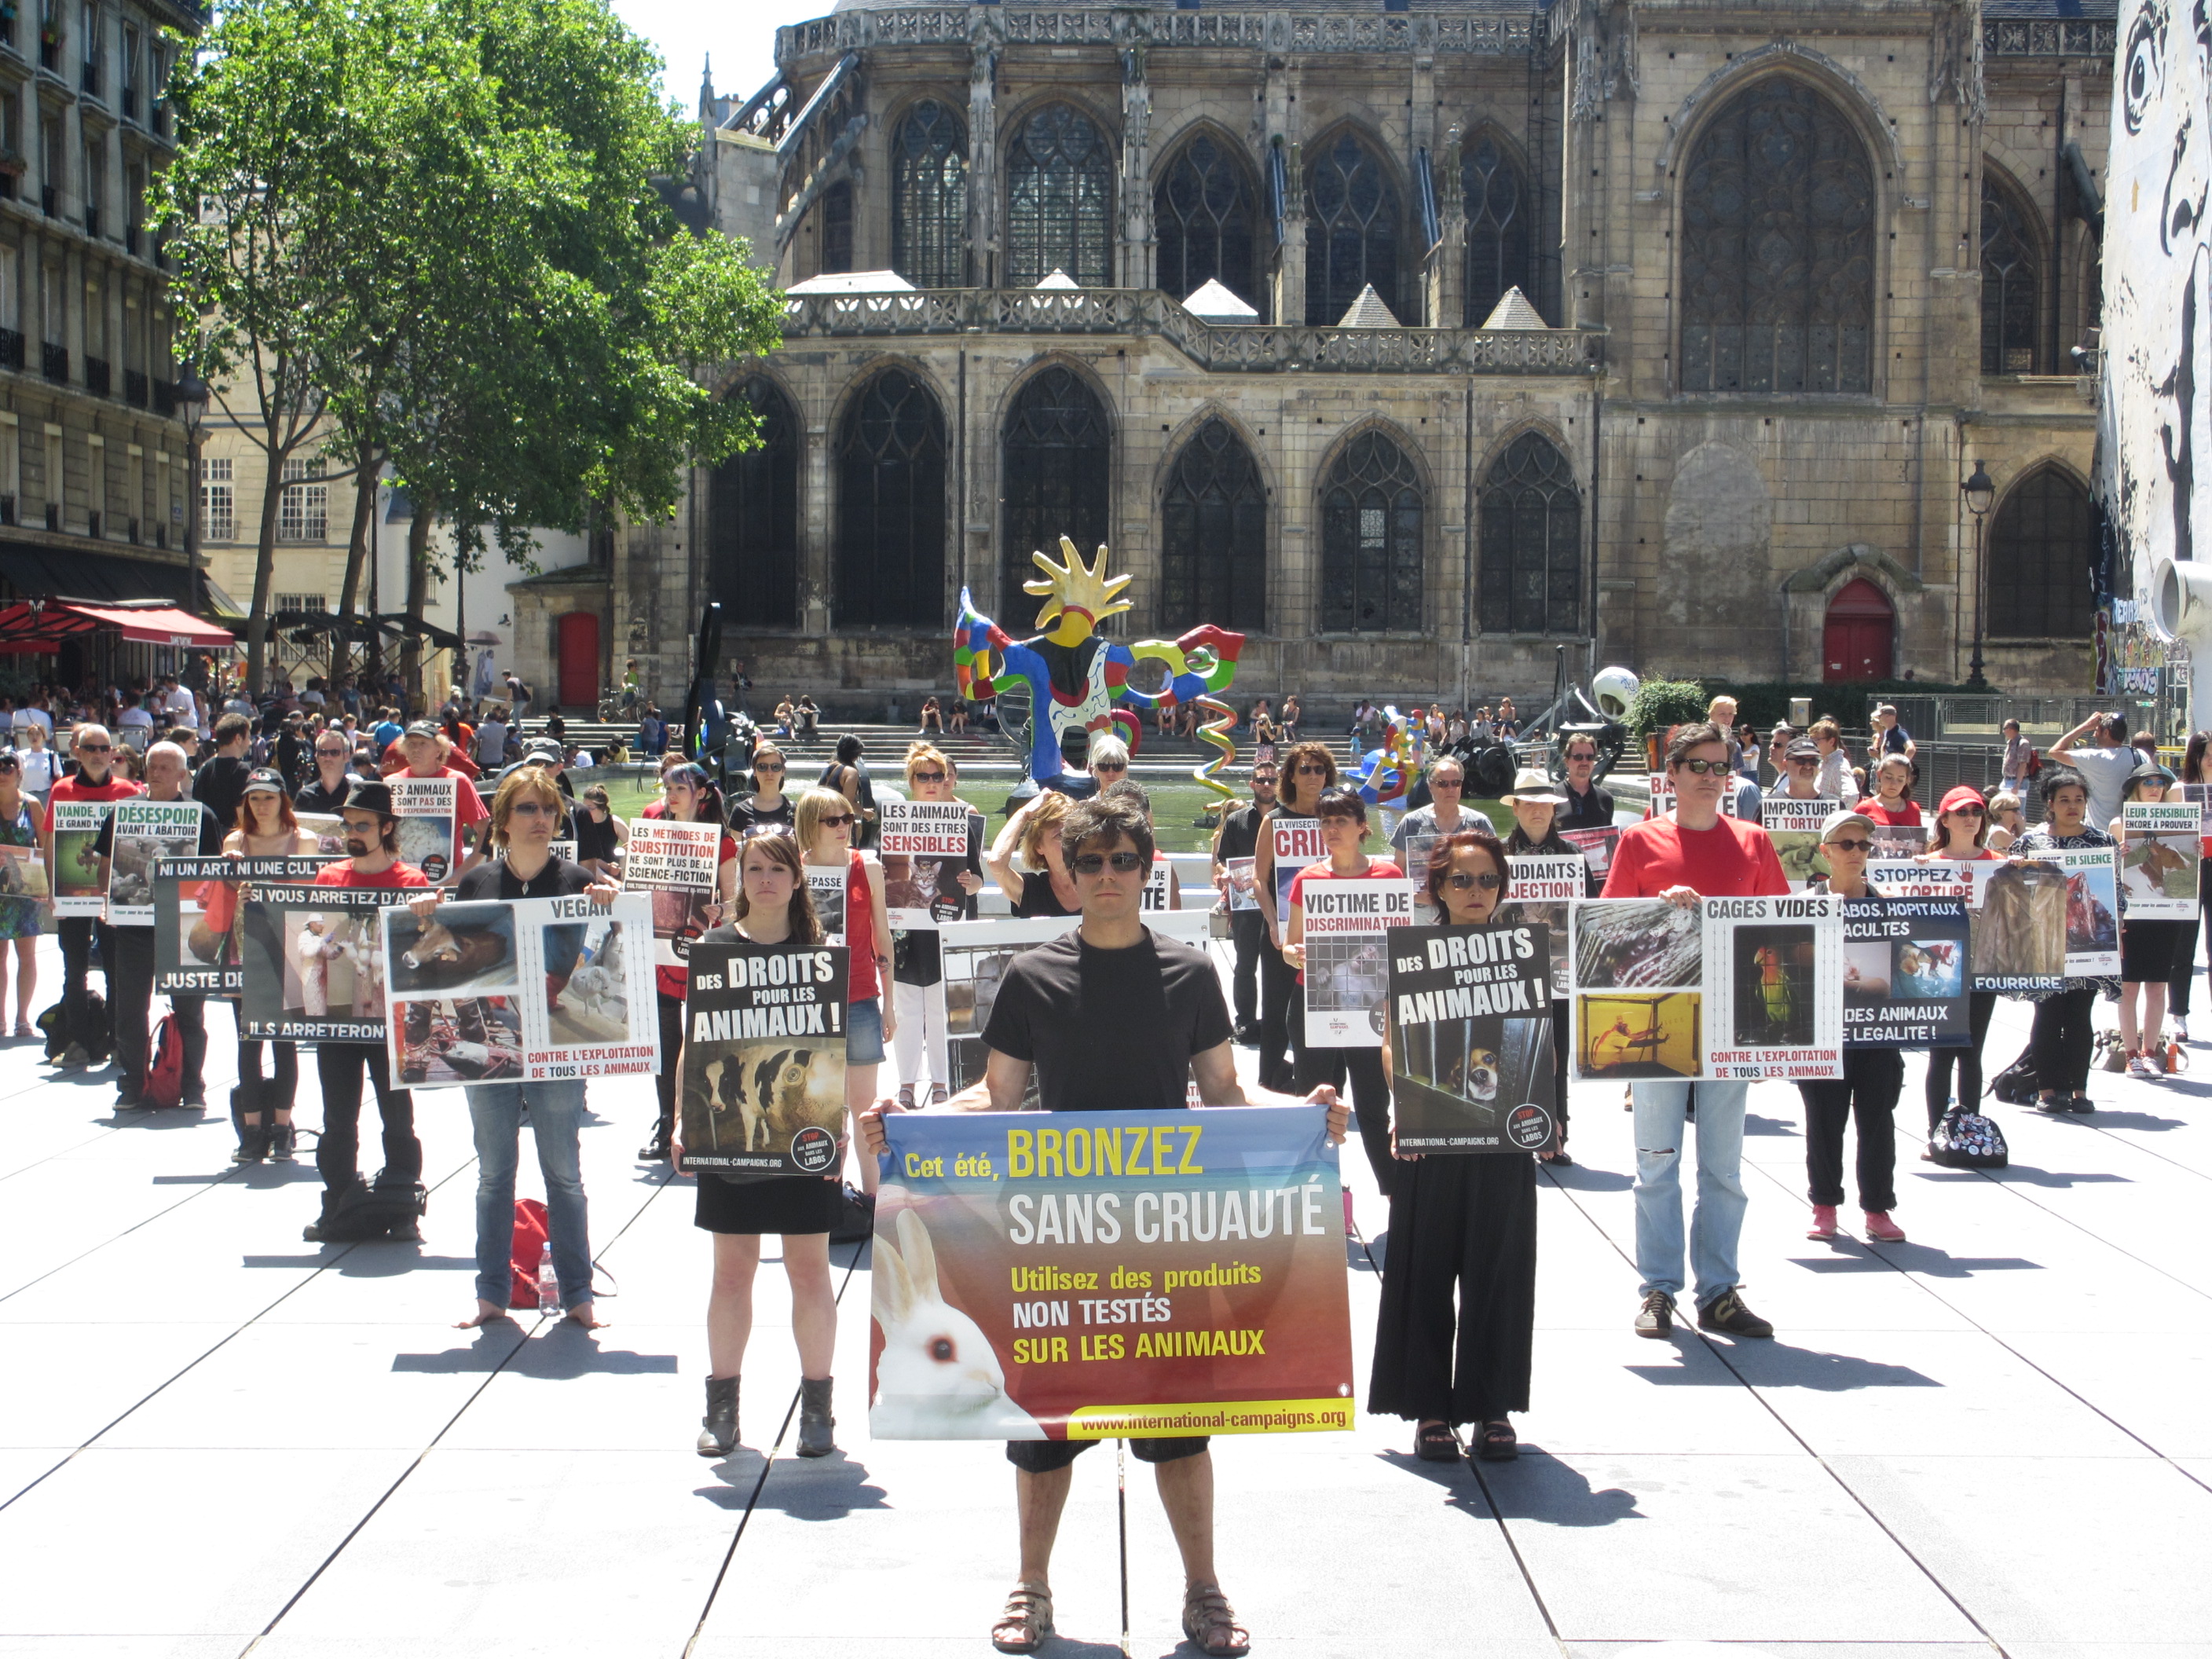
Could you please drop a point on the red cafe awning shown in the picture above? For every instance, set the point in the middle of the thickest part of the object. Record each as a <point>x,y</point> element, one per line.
<point>25,627</point>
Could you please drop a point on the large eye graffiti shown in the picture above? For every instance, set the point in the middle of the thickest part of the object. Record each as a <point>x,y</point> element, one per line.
<point>2144,82</point>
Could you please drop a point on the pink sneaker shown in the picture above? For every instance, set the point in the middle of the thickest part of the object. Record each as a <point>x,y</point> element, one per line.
<point>1823,1222</point>
<point>1879,1226</point>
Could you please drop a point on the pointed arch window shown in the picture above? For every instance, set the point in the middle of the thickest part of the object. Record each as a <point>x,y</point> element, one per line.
<point>1531,541</point>
<point>1777,247</point>
<point>1213,532</point>
<point>752,517</point>
<point>2011,296</point>
<point>1371,565</point>
<point>1499,241</point>
<point>1202,217</point>
<point>1351,230</point>
<point>2042,548</point>
<point>929,198</point>
<point>1059,200</point>
<point>890,507</point>
<point>1057,459</point>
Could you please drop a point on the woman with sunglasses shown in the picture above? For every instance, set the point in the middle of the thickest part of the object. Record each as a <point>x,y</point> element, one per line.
<point>1343,831</point>
<point>687,796</point>
<point>2196,763</point>
<point>1026,862</point>
<point>768,808</point>
<point>267,827</point>
<point>22,824</point>
<point>2006,824</point>
<point>919,1053</point>
<point>1308,772</point>
<point>1462,1230</point>
<point>1873,1078</point>
<point>2148,950</point>
<point>827,823</point>
<point>2064,1035</point>
<point>1960,835</point>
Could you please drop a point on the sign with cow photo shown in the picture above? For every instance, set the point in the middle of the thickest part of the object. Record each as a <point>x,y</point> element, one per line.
<point>762,1089</point>
<point>147,831</point>
<point>1470,1039</point>
<point>2159,860</point>
<point>521,991</point>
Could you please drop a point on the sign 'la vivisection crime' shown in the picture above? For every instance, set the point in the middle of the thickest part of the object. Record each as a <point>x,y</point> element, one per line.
<point>1087,1276</point>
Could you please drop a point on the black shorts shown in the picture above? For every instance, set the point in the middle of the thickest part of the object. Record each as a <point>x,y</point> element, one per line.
<point>1044,1456</point>
<point>2147,950</point>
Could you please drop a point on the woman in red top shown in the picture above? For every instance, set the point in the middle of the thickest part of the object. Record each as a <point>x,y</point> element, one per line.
<point>823,827</point>
<point>1961,836</point>
<point>687,796</point>
<point>1343,831</point>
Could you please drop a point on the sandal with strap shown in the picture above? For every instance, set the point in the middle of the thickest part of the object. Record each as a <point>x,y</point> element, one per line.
<point>1026,1621</point>
<point>1211,1623</point>
<point>1496,1443</point>
<point>1435,1443</point>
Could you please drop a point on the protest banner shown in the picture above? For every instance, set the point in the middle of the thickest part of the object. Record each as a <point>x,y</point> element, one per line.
<point>1638,979</point>
<point>1596,845</point>
<point>926,846</point>
<point>1774,983</point>
<point>78,890</point>
<point>22,872</point>
<point>1347,961</point>
<point>198,921</point>
<point>1794,827</point>
<point>2158,861</point>
<point>1162,890</point>
<point>1296,843</point>
<point>312,963</point>
<point>826,885</point>
<point>2093,914</point>
<point>1108,1274</point>
<point>1242,895</point>
<point>763,1064</point>
<point>1546,875</point>
<point>678,864</point>
<point>429,814</point>
<point>2017,914</point>
<point>1662,794</point>
<point>1898,840</point>
<point>1470,1039</point>
<point>521,991</point>
<point>329,831</point>
<point>1905,973</point>
<point>145,832</point>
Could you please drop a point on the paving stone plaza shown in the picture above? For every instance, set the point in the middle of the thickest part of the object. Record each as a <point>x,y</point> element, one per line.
<point>218,1440</point>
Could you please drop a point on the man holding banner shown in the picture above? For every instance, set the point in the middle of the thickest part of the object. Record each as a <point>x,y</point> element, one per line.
<point>1110,1018</point>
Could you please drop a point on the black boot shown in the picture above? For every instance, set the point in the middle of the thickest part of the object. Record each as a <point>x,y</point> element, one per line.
<point>252,1138</point>
<point>655,1151</point>
<point>281,1141</point>
<point>814,1419</point>
<point>718,1431</point>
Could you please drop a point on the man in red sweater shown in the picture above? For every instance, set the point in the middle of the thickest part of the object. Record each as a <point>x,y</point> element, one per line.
<point>1692,854</point>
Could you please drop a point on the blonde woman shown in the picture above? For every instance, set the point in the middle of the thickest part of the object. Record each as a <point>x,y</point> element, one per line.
<point>826,821</point>
<point>918,1050</point>
<point>1026,862</point>
<point>2006,824</point>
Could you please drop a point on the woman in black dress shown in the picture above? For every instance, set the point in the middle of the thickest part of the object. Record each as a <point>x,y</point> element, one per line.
<point>1466,1223</point>
<point>772,908</point>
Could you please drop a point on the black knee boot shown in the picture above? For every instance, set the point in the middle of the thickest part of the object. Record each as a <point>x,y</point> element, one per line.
<point>252,1138</point>
<point>815,1422</point>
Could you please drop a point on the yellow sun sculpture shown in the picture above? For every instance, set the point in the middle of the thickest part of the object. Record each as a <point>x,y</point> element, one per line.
<point>1080,596</point>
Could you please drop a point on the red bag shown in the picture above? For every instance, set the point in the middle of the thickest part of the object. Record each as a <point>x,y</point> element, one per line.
<point>2034,764</point>
<point>529,1240</point>
<point>165,1069</point>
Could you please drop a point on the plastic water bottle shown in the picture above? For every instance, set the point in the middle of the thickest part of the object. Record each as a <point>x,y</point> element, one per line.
<point>549,1283</point>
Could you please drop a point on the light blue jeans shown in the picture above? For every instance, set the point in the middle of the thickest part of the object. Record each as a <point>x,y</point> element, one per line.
<point>556,1111</point>
<point>1718,1221</point>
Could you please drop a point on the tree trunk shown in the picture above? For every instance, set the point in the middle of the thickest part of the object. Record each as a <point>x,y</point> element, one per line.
<point>368,462</point>
<point>264,572</point>
<point>418,582</point>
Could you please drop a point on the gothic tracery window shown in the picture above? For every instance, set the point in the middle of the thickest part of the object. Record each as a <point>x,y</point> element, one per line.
<point>1202,217</point>
<point>2041,548</point>
<point>1059,199</point>
<point>1057,457</point>
<point>1531,541</point>
<point>890,507</point>
<point>2011,308</point>
<point>1371,569</point>
<point>1213,524</point>
<point>752,517</point>
<point>1499,228</point>
<point>1777,247</point>
<point>929,198</point>
<point>1351,230</point>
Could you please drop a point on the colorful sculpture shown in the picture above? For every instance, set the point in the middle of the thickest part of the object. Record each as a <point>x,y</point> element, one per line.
<point>1078,680</point>
<point>1386,773</point>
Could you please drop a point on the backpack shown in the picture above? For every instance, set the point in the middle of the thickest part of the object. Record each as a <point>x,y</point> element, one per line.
<point>530,1235</point>
<point>164,1067</point>
<point>1967,1140</point>
<point>2035,764</point>
<point>2016,1084</point>
<point>97,1044</point>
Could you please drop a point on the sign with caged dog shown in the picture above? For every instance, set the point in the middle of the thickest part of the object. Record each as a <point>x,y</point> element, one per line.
<point>763,1078</point>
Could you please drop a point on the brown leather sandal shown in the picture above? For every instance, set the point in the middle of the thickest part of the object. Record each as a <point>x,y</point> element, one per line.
<point>1026,1621</point>
<point>1210,1623</point>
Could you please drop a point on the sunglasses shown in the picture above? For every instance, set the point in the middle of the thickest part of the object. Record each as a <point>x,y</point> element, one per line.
<point>97,748</point>
<point>1970,811</point>
<point>1851,846</point>
<point>1489,878</point>
<point>1703,768</point>
<point>1090,863</point>
<point>1101,766</point>
<point>534,809</point>
<point>838,822</point>
<point>939,777</point>
<point>1314,771</point>
<point>1804,760</point>
<point>340,753</point>
<point>768,766</point>
<point>1447,783</point>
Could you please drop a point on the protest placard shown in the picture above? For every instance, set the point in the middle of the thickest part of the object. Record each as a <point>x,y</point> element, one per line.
<point>1242,895</point>
<point>1794,827</point>
<point>1774,984</point>
<point>1294,843</point>
<point>1470,1039</point>
<point>145,832</point>
<point>2158,862</point>
<point>2093,912</point>
<point>22,872</point>
<point>1110,1274</point>
<point>2017,914</point>
<point>78,889</point>
<point>927,846</point>
<point>1899,841</point>
<point>1638,979</point>
<point>1662,794</point>
<point>1595,844</point>
<point>312,963</point>
<point>1905,973</point>
<point>521,991</point>
<point>1161,888</point>
<point>678,864</point>
<point>826,886</point>
<point>329,831</point>
<point>1347,966</point>
<point>763,1063</point>
<point>430,813</point>
<point>198,922</point>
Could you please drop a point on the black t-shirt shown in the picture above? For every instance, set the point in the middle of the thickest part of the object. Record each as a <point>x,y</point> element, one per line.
<point>219,785</point>
<point>1038,897</point>
<point>1109,1030</point>
<point>212,831</point>
<point>748,818</point>
<point>494,880</point>
<point>594,839</point>
<point>1240,832</point>
<point>1591,811</point>
<point>313,797</point>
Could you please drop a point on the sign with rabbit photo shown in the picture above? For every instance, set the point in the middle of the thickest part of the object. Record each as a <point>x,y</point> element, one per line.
<point>763,1087</point>
<point>1099,1275</point>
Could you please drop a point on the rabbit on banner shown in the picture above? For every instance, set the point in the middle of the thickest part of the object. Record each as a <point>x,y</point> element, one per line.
<point>938,1377</point>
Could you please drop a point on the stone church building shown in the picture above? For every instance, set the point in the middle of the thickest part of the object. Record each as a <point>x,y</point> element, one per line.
<point>1414,342</point>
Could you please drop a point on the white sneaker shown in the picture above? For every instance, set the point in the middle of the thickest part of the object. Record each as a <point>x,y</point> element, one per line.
<point>2180,1023</point>
<point>2139,1067</point>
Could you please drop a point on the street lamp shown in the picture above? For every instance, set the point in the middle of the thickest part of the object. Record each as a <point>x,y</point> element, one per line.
<point>1981,493</point>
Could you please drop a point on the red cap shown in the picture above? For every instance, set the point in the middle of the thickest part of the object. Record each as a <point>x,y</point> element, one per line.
<point>1965,795</point>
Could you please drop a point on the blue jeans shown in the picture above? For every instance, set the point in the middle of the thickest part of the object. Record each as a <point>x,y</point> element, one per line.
<point>1718,1220</point>
<point>555,1110</point>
